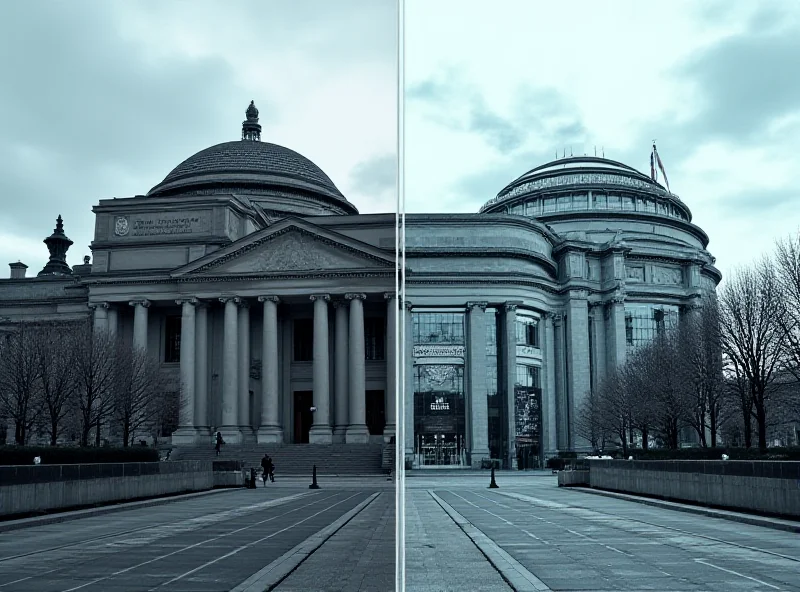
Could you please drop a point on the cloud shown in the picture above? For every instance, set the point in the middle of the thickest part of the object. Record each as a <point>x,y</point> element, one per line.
<point>376,175</point>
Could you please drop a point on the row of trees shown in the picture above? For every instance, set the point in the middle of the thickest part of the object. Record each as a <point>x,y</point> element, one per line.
<point>68,382</point>
<point>729,371</point>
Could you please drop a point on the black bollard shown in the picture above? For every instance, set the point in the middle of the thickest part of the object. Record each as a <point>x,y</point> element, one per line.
<point>314,479</point>
<point>252,483</point>
<point>493,484</point>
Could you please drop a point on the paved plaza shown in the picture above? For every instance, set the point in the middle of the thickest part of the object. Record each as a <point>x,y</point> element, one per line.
<point>528,535</point>
<point>542,537</point>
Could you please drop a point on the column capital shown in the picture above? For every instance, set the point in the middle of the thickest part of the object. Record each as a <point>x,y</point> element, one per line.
<point>407,305</point>
<point>322,297</point>
<point>355,296</point>
<point>511,306</point>
<point>558,317</point>
<point>481,305</point>
<point>226,299</point>
<point>616,300</point>
<point>390,295</point>
<point>141,302</point>
<point>96,305</point>
<point>189,300</point>
<point>274,299</point>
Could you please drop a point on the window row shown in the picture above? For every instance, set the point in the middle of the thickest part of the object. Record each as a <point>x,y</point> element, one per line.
<point>448,329</point>
<point>599,201</point>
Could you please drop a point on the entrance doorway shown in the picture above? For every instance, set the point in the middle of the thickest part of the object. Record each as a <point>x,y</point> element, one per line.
<point>376,412</point>
<point>303,416</point>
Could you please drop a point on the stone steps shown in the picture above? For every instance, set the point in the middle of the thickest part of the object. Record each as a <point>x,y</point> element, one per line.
<point>297,459</point>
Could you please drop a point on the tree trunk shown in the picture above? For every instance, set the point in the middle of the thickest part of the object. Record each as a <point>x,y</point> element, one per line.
<point>761,419</point>
<point>53,433</point>
<point>97,434</point>
<point>748,431</point>
<point>19,434</point>
<point>645,442</point>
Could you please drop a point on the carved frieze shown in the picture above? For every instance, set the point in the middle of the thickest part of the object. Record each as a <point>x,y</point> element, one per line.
<point>634,273</point>
<point>667,275</point>
<point>439,351</point>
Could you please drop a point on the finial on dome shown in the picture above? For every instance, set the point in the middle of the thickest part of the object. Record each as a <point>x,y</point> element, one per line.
<point>251,130</point>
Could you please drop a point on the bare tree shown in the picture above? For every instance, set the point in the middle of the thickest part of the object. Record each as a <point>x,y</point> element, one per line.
<point>94,375</point>
<point>752,337</point>
<point>20,399</point>
<point>700,351</point>
<point>54,346</point>
<point>137,391</point>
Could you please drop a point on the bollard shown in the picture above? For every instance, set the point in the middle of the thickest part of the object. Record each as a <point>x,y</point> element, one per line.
<point>314,479</point>
<point>493,484</point>
<point>252,483</point>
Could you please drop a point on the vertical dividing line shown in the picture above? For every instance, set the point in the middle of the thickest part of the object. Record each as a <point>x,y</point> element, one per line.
<point>400,324</point>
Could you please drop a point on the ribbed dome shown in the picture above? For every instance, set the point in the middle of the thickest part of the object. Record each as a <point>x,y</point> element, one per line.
<point>245,163</point>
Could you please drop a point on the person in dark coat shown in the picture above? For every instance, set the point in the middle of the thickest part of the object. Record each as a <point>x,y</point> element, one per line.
<point>219,443</point>
<point>268,467</point>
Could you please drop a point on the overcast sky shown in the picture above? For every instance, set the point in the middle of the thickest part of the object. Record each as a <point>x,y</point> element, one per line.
<point>492,93</point>
<point>102,98</point>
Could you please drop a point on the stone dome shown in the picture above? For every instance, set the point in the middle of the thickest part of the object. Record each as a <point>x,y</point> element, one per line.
<point>253,166</point>
<point>579,173</point>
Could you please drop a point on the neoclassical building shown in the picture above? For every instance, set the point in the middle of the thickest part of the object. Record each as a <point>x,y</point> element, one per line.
<point>271,305</point>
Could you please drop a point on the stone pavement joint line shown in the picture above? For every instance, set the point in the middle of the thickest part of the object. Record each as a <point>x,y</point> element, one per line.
<point>512,570</point>
<point>277,571</point>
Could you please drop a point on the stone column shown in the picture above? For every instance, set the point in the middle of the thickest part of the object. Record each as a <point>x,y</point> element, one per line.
<point>549,405</point>
<point>578,362</point>
<point>478,407</point>
<point>140,323</point>
<point>341,390</point>
<point>185,434</point>
<point>616,345</point>
<point>391,366</point>
<point>230,372</point>
<point>201,370</point>
<point>357,432</point>
<point>560,365</point>
<point>100,317</point>
<point>320,432</point>
<point>243,334</point>
<point>269,431</point>
<point>407,379</point>
<point>113,322</point>
<point>509,374</point>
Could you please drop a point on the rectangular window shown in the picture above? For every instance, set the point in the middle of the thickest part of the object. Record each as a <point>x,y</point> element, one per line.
<point>527,331</point>
<point>527,376</point>
<point>580,201</point>
<point>565,203</point>
<point>375,338</point>
<point>600,201</point>
<point>303,339</point>
<point>549,205</point>
<point>628,203</point>
<point>614,202</point>
<point>644,322</point>
<point>172,343</point>
<point>440,328</point>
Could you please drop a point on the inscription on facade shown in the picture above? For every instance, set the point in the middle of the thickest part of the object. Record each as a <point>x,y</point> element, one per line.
<point>439,351</point>
<point>526,351</point>
<point>161,224</point>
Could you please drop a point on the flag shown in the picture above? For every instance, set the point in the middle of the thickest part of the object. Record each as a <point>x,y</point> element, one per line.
<point>652,168</point>
<point>661,167</point>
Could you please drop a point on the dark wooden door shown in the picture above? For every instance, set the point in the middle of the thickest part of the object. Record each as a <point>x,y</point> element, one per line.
<point>376,412</point>
<point>303,416</point>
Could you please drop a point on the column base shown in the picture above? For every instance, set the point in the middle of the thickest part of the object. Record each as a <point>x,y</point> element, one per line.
<point>231,434</point>
<point>320,435</point>
<point>270,435</point>
<point>186,436</point>
<point>476,457</point>
<point>357,434</point>
<point>389,432</point>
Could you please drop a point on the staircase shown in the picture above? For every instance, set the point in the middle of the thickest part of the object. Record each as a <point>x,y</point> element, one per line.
<point>296,459</point>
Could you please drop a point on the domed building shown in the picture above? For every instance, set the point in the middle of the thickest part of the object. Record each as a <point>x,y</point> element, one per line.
<point>270,301</point>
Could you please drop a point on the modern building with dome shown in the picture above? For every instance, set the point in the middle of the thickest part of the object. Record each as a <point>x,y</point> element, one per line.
<point>270,301</point>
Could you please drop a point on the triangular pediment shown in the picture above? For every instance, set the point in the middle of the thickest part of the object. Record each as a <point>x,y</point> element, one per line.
<point>286,247</point>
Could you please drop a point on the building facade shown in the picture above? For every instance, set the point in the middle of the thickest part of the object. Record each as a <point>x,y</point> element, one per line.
<point>271,302</point>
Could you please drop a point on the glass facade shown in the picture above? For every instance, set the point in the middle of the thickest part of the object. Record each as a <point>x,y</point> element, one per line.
<point>439,414</point>
<point>496,408</point>
<point>441,328</point>
<point>528,416</point>
<point>594,200</point>
<point>644,321</point>
<point>527,329</point>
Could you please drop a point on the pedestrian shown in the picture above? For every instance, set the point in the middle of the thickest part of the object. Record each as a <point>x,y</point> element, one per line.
<point>267,467</point>
<point>219,442</point>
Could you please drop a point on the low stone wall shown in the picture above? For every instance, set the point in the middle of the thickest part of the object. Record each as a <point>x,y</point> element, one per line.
<point>769,487</point>
<point>573,478</point>
<point>39,488</point>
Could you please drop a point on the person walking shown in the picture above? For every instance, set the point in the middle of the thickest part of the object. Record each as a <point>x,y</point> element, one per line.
<point>219,443</point>
<point>267,467</point>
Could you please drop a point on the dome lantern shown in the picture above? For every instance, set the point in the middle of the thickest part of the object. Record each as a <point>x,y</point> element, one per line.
<point>251,130</point>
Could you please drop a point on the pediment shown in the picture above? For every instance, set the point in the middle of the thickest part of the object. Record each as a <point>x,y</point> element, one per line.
<point>290,248</point>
